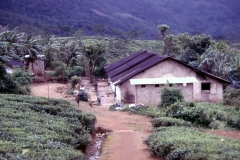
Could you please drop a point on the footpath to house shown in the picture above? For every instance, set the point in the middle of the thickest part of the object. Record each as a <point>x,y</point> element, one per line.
<point>129,130</point>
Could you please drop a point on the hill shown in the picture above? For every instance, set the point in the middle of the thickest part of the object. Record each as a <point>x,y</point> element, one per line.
<point>137,18</point>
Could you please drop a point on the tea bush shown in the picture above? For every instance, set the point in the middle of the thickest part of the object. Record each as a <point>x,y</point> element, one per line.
<point>231,97</point>
<point>168,121</point>
<point>148,111</point>
<point>203,114</point>
<point>170,95</point>
<point>40,128</point>
<point>22,77</point>
<point>188,143</point>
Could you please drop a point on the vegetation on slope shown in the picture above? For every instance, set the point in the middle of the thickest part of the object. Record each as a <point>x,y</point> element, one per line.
<point>137,19</point>
<point>40,128</point>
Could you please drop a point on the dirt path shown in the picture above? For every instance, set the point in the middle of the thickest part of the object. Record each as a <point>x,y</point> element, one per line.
<point>129,131</point>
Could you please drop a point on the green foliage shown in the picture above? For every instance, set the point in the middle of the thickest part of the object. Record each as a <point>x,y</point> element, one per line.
<point>74,71</point>
<point>163,29</point>
<point>145,111</point>
<point>202,114</point>
<point>168,121</point>
<point>185,143</point>
<point>22,77</point>
<point>17,83</point>
<point>45,19</point>
<point>216,124</point>
<point>170,95</point>
<point>74,62</point>
<point>231,97</point>
<point>217,62</point>
<point>200,43</point>
<point>186,48</point>
<point>236,122</point>
<point>94,54</point>
<point>40,128</point>
<point>60,69</point>
<point>75,80</point>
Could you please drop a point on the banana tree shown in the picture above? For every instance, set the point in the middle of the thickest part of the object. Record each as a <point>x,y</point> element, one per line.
<point>32,49</point>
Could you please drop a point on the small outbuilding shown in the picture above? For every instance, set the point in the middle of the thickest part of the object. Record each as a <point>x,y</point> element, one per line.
<point>139,77</point>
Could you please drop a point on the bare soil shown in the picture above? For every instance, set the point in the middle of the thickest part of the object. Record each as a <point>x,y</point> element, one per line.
<point>129,130</point>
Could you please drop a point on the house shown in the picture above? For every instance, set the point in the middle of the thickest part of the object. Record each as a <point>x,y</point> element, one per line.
<point>37,66</point>
<point>139,77</point>
<point>11,64</point>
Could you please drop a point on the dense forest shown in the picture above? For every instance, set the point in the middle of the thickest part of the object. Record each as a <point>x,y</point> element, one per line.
<point>135,19</point>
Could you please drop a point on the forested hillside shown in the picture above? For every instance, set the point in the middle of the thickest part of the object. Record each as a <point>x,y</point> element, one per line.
<point>134,19</point>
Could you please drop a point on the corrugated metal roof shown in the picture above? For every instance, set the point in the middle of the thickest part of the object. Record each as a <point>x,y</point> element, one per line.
<point>130,66</point>
<point>151,61</point>
<point>12,63</point>
<point>123,61</point>
<point>133,62</point>
<point>171,80</point>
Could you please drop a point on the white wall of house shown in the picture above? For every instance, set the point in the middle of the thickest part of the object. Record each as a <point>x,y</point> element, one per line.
<point>37,67</point>
<point>192,90</point>
<point>118,93</point>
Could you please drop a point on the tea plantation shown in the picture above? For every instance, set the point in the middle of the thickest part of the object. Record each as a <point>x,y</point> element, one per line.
<point>179,131</point>
<point>39,128</point>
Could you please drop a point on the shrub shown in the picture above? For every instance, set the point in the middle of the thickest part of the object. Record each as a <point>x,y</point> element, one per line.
<point>148,111</point>
<point>59,70</point>
<point>74,71</point>
<point>215,124</point>
<point>168,121</point>
<point>170,95</point>
<point>236,122</point>
<point>231,97</point>
<point>186,143</point>
<point>22,77</point>
<point>74,81</point>
<point>41,128</point>
<point>202,114</point>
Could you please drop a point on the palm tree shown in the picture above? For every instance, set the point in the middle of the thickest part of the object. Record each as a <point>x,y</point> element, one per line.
<point>9,45</point>
<point>217,63</point>
<point>68,51</point>
<point>31,49</point>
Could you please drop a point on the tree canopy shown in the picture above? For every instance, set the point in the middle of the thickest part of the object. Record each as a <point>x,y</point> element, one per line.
<point>94,54</point>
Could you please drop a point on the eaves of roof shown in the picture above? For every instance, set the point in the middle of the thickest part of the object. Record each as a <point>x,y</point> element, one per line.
<point>138,68</point>
<point>131,67</point>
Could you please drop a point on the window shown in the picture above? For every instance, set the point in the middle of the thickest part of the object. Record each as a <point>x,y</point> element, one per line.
<point>156,85</point>
<point>143,86</point>
<point>206,87</point>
